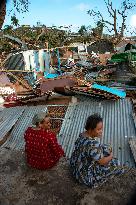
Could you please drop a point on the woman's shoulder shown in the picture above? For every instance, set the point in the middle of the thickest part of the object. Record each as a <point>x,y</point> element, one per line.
<point>48,134</point>
<point>33,130</point>
<point>83,139</point>
<point>88,140</point>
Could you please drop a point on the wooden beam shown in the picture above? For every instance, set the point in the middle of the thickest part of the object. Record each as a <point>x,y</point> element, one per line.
<point>23,71</point>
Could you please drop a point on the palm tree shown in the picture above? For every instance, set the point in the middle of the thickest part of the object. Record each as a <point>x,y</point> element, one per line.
<point>19,5</point>
<point>15,21</point>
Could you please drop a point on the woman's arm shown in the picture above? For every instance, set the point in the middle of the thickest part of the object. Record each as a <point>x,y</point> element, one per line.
<point>55,147</point>
<point>105,160</point>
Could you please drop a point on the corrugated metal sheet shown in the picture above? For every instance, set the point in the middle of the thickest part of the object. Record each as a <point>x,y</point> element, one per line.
<point>135,121</point>
<point>8,117</point>
<point>132,143</point>
<point>15,62</point>
<point>15,39</point>
<point>16,139</point>
<point>118,125</point>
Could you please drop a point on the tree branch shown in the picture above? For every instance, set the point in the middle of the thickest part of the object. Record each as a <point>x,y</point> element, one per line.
<point>112,24</point>
<point>95,13</point>
<point>126,5</point>
<point>99,15</point>
<point>110,30</point>
<point>110,8</point>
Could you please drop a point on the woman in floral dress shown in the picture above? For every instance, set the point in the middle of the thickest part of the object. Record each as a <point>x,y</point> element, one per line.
<point>92,162</point>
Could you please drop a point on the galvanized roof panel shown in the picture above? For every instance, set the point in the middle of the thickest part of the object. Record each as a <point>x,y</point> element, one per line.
<point>118,125</point>
<point>118,121</point>
<point>16,139</point>
<point>15,62</point>
<point>8,117</point>
<point>132,143</point>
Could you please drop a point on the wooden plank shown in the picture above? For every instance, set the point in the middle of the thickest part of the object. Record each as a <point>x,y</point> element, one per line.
<point>21,71</point>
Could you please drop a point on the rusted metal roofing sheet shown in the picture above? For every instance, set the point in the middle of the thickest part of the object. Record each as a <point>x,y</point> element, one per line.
<point>118,126</point>
<point>50,84</point>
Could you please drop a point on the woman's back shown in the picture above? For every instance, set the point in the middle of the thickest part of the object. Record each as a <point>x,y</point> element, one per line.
<point>42,149</point>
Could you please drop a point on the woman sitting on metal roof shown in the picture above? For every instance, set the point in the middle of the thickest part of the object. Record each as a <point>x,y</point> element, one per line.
<point>92,162</point>
<point>42,149</point>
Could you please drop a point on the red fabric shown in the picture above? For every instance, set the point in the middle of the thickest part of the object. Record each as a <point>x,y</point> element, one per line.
<point>11,97</point>
<point>42,149</point>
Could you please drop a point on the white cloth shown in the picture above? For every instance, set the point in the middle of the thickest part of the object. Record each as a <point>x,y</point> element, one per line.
<point>1,100</point>
<point>6,90</point>
<point>37,60</point>
<point>44,61</point>
<point>30,59</point>
<point>27,60</point>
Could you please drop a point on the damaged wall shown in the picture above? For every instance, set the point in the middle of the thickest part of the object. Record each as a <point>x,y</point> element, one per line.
<point>101,46</point>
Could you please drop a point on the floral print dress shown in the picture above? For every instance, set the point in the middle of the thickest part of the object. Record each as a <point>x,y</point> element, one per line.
<point>84,162</point>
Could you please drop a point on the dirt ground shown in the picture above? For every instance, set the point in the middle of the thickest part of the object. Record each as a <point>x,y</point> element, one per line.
<point>21,185</point>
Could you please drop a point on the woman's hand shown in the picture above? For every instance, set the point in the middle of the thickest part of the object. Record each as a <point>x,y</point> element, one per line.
<point>110,149</point>
<point>106,160</point>
<point>111,155</point>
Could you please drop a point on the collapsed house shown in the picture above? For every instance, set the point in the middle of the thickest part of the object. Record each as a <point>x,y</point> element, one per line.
<point>32,74</point>
<point>28,71</point>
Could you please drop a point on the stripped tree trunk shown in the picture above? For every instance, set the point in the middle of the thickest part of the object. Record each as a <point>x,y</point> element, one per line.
<point>115,23</point>
<point>2,12</point>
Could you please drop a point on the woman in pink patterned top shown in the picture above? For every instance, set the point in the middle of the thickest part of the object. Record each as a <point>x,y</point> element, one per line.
<point>42,149</point>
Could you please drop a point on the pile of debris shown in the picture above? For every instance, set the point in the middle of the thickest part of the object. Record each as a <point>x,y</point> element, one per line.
<point>69,90</point>
<point>25,86</point>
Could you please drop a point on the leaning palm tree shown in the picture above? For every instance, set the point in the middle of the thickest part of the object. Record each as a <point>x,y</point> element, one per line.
<point>19,5</point>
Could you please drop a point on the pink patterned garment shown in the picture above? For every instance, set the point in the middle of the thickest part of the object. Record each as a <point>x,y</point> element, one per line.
<point>42,149</point>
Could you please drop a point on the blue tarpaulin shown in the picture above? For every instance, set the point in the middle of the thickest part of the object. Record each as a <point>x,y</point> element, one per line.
<point>50,75</point>
<point>121,94</point>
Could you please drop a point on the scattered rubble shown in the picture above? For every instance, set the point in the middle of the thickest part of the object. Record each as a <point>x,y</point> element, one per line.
<point>31,84</point>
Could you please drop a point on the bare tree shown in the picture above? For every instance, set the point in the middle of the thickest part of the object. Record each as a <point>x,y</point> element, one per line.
<point>133,31</point>
<point>114,14</point>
